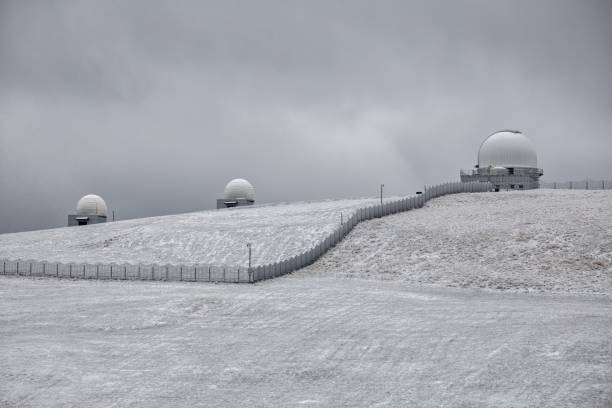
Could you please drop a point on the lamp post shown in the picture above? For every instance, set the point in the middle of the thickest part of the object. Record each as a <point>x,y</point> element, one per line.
<point>381,192</point>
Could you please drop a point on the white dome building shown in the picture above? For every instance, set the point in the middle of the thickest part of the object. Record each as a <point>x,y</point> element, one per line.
<point>239,188</point>
<point>91,209</point>
<point>238,192</point>
<point>508,160</point>
<point>508,148</point>
<point>91,204</point>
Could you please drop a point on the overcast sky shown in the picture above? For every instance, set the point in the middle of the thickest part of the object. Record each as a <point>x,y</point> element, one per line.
<point>156,105</point>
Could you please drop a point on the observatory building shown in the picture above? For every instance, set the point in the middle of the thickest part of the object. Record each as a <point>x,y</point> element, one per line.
<point>238,192</point>
<point>91,209</point>
<point>508,160</point>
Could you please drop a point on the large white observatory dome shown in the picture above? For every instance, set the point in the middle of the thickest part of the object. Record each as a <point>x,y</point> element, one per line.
<point>507,148</point>
<point>239,188</point>
<point>91,204</point>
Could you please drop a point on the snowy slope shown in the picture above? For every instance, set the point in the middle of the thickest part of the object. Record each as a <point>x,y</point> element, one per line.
<point>216,237</point>
<point>538,240</point>
<point>357,328</point>
<point>299,341</point>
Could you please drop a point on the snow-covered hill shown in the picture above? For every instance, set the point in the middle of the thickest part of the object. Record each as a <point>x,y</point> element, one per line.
<point>216,237</point>
<point>538,240</point>
<point>356,328</point>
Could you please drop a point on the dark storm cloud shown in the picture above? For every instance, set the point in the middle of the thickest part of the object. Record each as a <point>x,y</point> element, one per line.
<point>156,105</point>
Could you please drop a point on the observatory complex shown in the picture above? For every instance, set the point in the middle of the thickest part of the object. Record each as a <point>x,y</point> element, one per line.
<point>508,160</point>
<point>238,192</point>
<point>91,209</point>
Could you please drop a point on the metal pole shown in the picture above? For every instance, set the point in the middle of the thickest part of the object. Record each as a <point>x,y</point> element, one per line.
<point>381,192</point>
<point>113,215</point>
<point>250,270</point>
<point>249,246</point>
<point>341,219</point>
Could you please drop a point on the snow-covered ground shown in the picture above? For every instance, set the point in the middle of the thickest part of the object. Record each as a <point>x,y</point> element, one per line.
<point>538,240</point>
<point>299,341</point>
<point>217,237</point>
<point>363,326</point>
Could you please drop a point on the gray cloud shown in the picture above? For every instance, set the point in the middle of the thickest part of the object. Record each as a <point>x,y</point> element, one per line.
<point>156,105</point>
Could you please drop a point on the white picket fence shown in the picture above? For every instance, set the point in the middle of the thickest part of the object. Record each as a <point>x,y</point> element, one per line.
<point>235,274</point>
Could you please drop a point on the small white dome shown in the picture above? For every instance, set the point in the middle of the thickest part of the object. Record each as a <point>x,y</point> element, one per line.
<point>239,188</point>
<point>507,148</point>
<point>91,204</point>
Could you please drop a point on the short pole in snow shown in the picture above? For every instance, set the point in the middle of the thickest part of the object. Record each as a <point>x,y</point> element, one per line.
<point>249,246</point>
<point>113,215</point>
<point>341,219</point>
<point>250,270</point>
<point>381,192</point>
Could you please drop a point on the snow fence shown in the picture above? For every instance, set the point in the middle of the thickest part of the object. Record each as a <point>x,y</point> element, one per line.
<point>588,184</point>
<point>235,274</point>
